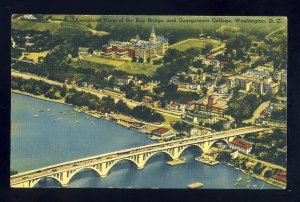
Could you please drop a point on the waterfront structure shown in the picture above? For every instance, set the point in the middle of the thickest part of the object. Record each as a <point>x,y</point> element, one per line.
<point>161,132</point>
<point>139,156</point>
<point>155,47</point>
<point>241,146</point>
<point>138,126</point>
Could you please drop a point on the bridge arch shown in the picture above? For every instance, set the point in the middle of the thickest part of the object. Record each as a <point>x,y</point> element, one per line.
<point>189,146</point>
<point>71,175</point>
<point>46,177</point>
<point>105,171</point>
<point>220,140</point>
<point>154,154</point>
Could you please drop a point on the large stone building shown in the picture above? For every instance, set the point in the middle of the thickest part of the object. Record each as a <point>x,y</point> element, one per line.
<point>156,46</point>
<point>211,106</point>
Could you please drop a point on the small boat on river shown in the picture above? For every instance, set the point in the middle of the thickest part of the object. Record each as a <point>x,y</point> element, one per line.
<point>239,179</point>
<point>195,185</point>
<point>36,115</point>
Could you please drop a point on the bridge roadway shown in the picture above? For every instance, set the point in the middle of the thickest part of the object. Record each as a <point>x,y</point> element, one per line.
<point>204,142</point>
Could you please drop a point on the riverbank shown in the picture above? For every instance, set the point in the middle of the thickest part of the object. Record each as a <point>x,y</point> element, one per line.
<point>204,158</point>
<point>260,177</point>
<point>92,113</point>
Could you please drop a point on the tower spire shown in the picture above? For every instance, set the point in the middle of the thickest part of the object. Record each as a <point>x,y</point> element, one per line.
<point>153,31</point>
<point>152,36</point>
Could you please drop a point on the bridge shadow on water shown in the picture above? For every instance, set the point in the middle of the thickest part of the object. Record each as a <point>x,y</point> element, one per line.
<point>191,153</point>
<point>48,183</point>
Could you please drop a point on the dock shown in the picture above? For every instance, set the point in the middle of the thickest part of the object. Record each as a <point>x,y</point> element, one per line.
<point>195,185</point>
<point>207,161</point>
<point>176,162</point>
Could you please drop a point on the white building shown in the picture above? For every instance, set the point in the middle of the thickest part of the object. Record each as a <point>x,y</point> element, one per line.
<point>241,146</point>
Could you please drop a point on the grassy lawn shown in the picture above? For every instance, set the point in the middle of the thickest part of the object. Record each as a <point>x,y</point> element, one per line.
<point>40,26</point>
<point>34,56</point>
<point>53,26</point>
<point>106,61</point>
<point>127,66</point>
<point>197,43</point>
<point>169,119</point>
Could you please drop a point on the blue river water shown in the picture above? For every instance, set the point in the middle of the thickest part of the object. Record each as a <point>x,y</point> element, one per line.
<point>43,138</point>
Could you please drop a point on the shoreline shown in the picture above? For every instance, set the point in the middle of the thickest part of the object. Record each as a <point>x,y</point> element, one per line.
<point>78,109</point>
<point>267,180</point>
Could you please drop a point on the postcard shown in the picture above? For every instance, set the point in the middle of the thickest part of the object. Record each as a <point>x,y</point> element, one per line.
<point>119,101</point>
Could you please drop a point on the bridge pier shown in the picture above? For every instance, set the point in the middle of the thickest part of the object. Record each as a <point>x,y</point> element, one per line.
<point>140,167</point>
<point>103,175</point>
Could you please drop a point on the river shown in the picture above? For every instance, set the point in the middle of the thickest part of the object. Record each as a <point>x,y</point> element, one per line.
<point>42,138</point>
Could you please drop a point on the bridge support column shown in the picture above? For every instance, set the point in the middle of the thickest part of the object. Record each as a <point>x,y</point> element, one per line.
<point>104,169</point>
<point>141,160</point>
<point>65,178</point>
<point>205,146</point>
<point>21,185</point>
<point>177,152</point>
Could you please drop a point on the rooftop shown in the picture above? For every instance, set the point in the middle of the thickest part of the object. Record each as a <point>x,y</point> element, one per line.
<point>241,143</point>
<point>160,130</point>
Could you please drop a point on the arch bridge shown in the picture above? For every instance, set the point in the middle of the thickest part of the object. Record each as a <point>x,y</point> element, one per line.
<point>138,156</point>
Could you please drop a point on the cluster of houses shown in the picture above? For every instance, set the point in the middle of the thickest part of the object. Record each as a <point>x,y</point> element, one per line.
<point>258,80</point>
<point>195,81</point>
<point>84,84</point>
<point>265,116</point>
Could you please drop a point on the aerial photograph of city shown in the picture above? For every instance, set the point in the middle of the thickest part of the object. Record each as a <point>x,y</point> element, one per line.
<point>122,101</point>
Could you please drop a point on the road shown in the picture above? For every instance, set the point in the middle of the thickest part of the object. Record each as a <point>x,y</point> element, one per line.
<point>257,112</point>
<point>100,94</point>
<point>263,162</point>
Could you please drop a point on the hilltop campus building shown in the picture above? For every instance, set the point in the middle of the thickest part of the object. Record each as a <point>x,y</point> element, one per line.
<point>155,47</point>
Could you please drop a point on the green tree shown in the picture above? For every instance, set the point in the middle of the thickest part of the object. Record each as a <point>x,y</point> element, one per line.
<point>257,168</point>
<point>171,55</point>
<point>223,157</point>
<point>181,127</point>
<point>122,107</point>
<point>268,174</point>
<point>218,126</point>
<point>141,60</point>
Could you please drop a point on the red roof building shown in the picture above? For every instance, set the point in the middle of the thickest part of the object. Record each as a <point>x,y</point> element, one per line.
<point>280,176</point>
<point>265,114</point>
<point>160,131</point>
<point>241,146</point>
<point>148,99</point>
<point>174,106</point>
<point>191,102</point>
